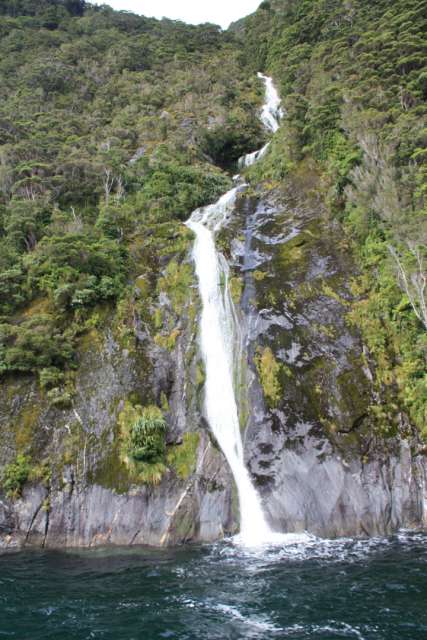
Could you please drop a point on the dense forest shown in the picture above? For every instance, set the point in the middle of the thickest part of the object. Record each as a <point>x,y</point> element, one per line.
<point>115,127</point>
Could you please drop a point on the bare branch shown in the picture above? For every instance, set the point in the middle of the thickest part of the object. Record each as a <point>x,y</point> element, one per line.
<point>108,183</point>
<point>413,284</point>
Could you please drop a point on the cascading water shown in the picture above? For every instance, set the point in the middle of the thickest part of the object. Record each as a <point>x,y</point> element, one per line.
<point>270,116</point>
<point>219,335</point>
<point>218,338</point>
<point>272,112</point>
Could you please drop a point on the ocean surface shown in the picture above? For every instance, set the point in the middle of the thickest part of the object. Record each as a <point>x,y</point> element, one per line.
<point>374,589</point>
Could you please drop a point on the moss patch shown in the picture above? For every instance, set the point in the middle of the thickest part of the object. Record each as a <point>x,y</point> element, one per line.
<point>167,342</point>
<point>27,426</point>
<point>183,457</point>
<point>236,289</point>
<point>269,370</point>
<point>176,283</point>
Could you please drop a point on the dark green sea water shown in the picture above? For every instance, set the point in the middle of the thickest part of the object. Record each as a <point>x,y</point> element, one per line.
<point>322,590</point>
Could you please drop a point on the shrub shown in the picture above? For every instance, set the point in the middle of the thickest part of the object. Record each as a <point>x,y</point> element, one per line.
<point>147,436</point>
<point>15,475</point>
<point>50,377</point>
<point>33,345</point>
<point>77,270</point>
<point>175,190</point>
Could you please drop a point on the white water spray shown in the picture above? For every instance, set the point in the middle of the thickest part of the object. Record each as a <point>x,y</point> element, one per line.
<point>219,336</point>
<point>250,158</point>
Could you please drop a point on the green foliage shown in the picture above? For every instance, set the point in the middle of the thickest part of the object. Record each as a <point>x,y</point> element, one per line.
<point>50,377</point>
<point>12,289</point>
<point>46,9</point>
<point>76,270</point>
<point>140,450</point>
<point>147,436</point>
<point>227,142</point>
<point>172,189</point>
<point>183,457</point>
<point>396,343</point>
<point>33,345</point>
<point>236,288</point>
<point>15,475</point>
<point>269,371</point>
<point>175,282</point>
<point>143,449</point>
<point>103,117</point>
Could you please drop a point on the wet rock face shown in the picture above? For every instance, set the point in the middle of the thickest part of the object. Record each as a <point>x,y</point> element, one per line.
<point>317,459</point>
<point>92,515</point>
<point>87,499</point>
<point>310,443</point>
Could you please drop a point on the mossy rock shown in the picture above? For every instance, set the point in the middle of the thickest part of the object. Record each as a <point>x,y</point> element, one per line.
<point>269,375</point>
<point>183,457</point>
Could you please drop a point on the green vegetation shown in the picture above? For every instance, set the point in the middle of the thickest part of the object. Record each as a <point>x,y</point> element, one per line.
<point>107,123</point>
<point>353,80</point>
<point>183,457</point>
<point>175,282</point>
<point>269,371</point>
<point>114,127</point>
<point>236,288</point>
<point>147,436</point>
<point>142,453</point>
<point>15,475</point>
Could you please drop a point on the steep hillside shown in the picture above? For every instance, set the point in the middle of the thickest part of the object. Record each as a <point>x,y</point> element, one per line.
<point>113,129</point>
<point>353,80</point>
<point>107,121</point>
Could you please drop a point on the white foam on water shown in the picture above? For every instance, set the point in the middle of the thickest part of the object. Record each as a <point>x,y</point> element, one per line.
<point>339,629</point>
<point>300,547</point>
<point>259,623</point>
<point>274,540</point>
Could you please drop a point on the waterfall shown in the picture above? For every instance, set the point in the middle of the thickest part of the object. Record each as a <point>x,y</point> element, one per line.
<point>271,111</point>
<point>250,158</point>
<point>219,336</point>
<point>270,116</point>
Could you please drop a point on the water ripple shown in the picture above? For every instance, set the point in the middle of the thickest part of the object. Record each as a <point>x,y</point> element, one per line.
<point>309,589</point>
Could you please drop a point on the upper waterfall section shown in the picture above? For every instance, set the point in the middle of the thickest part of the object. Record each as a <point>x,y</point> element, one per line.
<point>271,111</point>
<point>271,115</point>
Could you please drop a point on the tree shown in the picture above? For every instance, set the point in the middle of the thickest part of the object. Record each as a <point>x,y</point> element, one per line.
<point>24,223</point>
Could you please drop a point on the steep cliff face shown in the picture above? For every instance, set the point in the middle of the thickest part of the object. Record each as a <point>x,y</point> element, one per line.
<point>126,120</point>
<point>312,443</point>
<point>86,495</point>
